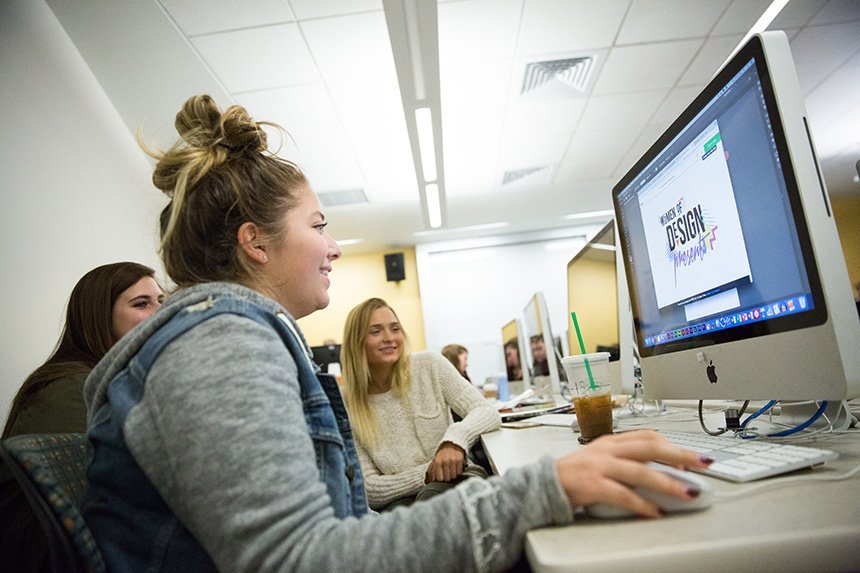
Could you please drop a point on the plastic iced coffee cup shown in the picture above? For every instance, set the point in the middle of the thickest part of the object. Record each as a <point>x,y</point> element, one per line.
<point>592,397</point>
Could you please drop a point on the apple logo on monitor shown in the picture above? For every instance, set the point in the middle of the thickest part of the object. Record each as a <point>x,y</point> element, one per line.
<point>712,372</point>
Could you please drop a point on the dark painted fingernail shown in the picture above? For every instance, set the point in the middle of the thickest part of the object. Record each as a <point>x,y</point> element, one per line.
<point>692,492</point>
<point>706,460</point>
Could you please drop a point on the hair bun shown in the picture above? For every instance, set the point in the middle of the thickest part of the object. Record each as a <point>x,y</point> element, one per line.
<point>200,123</point>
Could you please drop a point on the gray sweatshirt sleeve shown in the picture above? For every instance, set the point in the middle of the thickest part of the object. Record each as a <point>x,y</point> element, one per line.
<point>221,434</point>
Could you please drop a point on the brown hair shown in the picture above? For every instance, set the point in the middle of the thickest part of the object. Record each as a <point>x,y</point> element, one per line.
<point>356,371</point>
<point>452,352</point>
<point>218,176</point>
<point>87,334</point>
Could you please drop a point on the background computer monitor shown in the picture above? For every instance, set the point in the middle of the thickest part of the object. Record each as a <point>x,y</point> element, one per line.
<point>544,362</point>
<point>736,273</point>
<point>597,292</point>
<point>326,355</point>
<point>516,357</point>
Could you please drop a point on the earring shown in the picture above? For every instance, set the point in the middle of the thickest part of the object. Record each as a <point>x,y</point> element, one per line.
<point>264,258</point>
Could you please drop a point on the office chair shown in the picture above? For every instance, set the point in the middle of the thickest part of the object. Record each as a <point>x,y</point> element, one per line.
<point>51,471</point>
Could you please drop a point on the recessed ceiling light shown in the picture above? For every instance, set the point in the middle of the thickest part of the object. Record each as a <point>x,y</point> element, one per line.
<point>590,214</point>
<point>482,227</point>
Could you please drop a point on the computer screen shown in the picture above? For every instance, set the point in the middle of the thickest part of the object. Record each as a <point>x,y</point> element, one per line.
<point>513,345</point>
<point>737,280</point>
<point>546,369</point>
<point>326,355</point>
<point>597,292</point>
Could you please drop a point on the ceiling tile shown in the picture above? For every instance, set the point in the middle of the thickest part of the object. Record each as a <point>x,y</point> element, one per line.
<point>676,101</point>
<point>645,67</point>
<point>516,153</point>
<point>709,60</point>
<point>647,137</point>
<point>593,154</point>
<point>819,50</point>
<point>564,25</point>
<point>195,17</point>
<point>306,9</point>
<point>660,20</point>
<point>314,133</point>
<point>475,30</point>
<point>350,46</point>
<point>526,120</point>
<point>837,11</point>
<point>620,110</point>
<point>796,13</point>
<point>740,17</point>
<point>260,58</point>
<point>371,113</point>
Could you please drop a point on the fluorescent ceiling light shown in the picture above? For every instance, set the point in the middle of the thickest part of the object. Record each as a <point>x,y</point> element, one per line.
<point>346,242</point>
<point>434,209</point>
<point>590,214</point>
<point>413,38</point>
<point>426,144</point>
<point>482,227</point>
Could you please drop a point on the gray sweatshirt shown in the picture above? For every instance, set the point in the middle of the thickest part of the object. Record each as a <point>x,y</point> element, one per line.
<point>220,433</point>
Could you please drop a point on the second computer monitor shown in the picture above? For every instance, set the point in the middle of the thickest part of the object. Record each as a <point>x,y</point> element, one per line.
<point>546,369</point>
<point>597,292</point>
<point>516,357</point>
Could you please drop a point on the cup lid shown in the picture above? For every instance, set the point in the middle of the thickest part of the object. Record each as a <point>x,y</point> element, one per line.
<point>578,358</point>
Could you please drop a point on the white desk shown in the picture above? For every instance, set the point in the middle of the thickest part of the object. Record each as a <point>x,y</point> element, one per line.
<point>807,526</point>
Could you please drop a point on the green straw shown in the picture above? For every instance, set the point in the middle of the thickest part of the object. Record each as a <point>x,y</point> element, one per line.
<point>582,350</point>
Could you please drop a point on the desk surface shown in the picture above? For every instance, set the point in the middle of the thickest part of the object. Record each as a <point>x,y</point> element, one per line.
<point>799,526</point>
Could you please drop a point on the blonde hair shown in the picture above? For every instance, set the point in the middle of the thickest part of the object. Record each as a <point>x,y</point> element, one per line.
<point>218,176</point>
<point>356,371</point>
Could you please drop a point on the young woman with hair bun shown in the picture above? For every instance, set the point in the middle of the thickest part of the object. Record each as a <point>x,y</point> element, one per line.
<point>218,445</point>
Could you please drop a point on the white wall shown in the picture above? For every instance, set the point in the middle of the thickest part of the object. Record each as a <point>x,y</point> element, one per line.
<point>75,188</point>
<point>471,288</point>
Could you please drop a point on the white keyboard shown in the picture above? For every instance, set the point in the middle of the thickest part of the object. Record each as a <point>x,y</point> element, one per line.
<point>740,460</point>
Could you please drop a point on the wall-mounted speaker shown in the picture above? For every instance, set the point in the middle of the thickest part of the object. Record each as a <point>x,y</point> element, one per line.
<point>394,270</point>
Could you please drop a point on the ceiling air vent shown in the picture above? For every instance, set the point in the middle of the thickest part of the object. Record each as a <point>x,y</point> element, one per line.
<point>573,73</point>
<point>527,175</point>
<point>343,197</point>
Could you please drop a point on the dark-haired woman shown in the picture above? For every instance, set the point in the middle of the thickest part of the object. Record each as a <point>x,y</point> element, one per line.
<point>105,304</point>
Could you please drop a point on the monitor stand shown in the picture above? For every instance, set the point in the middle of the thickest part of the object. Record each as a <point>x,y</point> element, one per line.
<point>637,405</point>
<point>837,413</point>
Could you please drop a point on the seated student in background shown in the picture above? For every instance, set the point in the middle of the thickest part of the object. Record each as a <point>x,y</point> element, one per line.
<point>459,357</point>
<point>400,408</point>
<point>540,364</point>
<point>222,448</point>
<point>105,304</point>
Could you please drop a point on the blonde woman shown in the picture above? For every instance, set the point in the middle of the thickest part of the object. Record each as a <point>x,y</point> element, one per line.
<point>400,407</point>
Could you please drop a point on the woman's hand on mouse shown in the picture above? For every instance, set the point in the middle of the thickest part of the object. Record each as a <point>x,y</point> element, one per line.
<point>605,470</point>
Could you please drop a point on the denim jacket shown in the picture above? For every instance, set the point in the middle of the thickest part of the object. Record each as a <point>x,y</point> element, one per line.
<point>216,445</point>
<point>114,474</point>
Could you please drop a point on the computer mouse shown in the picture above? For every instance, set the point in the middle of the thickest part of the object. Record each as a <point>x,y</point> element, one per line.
<point>667,503</point>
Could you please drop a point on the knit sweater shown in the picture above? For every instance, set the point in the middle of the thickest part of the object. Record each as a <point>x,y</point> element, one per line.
<point>411,429</point>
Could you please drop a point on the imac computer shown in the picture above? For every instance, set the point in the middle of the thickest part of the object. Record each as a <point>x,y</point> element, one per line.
<point>737,279</point>
<point>546,369</point>
<point>514,347</point>
<point>597,292</point>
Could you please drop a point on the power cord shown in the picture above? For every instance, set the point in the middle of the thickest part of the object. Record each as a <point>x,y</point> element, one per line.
<point>732,419</point>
